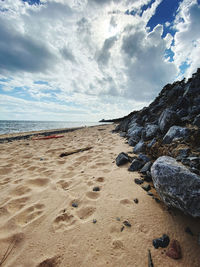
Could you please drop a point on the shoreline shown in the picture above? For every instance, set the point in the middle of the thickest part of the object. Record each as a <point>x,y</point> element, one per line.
<point>26,135</point>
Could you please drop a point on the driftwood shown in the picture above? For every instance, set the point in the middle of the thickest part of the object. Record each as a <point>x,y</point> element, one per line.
<point>150,262</point>
<point>65,154</point>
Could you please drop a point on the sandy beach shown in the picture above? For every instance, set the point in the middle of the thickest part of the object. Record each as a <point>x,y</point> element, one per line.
<point>50,215</point>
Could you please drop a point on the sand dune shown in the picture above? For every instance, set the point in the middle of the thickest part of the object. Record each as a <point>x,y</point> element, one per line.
<point>50,214</point>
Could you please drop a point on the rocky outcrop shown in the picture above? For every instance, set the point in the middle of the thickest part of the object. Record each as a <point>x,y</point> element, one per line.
<point>176,185</point>
<point>169,126</point>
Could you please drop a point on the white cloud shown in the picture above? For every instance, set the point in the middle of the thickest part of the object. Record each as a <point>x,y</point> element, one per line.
<point>187,39</point>
<point>89,53</point>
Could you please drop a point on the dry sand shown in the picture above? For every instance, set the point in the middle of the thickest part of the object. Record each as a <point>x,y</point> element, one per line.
<point>37,189</point>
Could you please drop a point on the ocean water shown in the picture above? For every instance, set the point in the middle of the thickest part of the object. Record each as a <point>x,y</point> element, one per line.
<point>7,127</point>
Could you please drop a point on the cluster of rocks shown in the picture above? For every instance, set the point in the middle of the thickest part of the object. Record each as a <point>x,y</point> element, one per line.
<point>167,132</point>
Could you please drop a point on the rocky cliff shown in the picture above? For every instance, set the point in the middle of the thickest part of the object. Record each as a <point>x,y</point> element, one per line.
<point>169,126</point>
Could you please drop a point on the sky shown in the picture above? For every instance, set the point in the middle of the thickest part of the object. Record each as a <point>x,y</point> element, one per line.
<point>87,60</point>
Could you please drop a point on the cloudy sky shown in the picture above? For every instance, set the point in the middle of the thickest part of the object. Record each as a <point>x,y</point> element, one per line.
<point>84,60</point>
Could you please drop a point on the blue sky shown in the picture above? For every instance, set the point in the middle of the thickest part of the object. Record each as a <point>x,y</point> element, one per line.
<point>88,60</point>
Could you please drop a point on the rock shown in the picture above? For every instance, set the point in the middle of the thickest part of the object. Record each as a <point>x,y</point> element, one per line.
<point>122,159</point>
<point>135,132</point>
<point>146,167</point>
<point>197,121</point>
<point>151,143</point>
<point>174,250</point>
<point>143,157</point>
<point>75,205</point>
<point>94,221</point>
<point>96,189</point>
<point>136,165</point>
<point>127,223</point>
<point>167,119</point>
<point>182,153</point>
<point>132,141</point>
<point>162,242</point>
<point>118,219</point>
<point>140,147</point>
<point>138,181</point>
<point>150,194</point>
<point>150,132</point>
<point>146,187</point>
<point>122,134</point>
<point>136,200</point>
<point>176,132</point>
<point>147,176</point>
<point>176,185</point>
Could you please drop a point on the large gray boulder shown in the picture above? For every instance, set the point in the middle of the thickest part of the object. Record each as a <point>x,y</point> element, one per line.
<point>176,185</point>
<point>135,131</point>
<point>167,119</point>
<point>176,132</point>
<point>150,132</point>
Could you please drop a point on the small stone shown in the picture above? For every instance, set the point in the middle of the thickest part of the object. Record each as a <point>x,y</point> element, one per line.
<point>138,181</point>
<point>122,229</point>
<point>146,187</point>
<point>96,189</point>
<point>150,194</point>
<point>118,219</point>
<point>162,242</point>
<point>75,205</point>
<point>174,250</point>
<point>188,231</point>
<point>136,165</point>
<point>157,200</point>
<point>136,200</point>
<point>94,221</point>
<point>126,223</point>
<point>122,159</point>
<point>41,159</point>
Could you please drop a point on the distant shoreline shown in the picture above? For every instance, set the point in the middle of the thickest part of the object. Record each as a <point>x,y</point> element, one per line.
<point>25,135</point>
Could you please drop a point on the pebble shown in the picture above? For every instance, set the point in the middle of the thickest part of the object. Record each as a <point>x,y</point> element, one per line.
<point>162,242</point>
<point>118,219</point>
<point>96,188</point>
<point>136,200</point>
<point>122,229</point>
<point>94,221</point>
<point>174,250</point>
<point>75,205</point>
<point>150,194</point>
<point>138,181</point>
<point>126,223</point>
<point>41,159</point>
<point>146,187</point>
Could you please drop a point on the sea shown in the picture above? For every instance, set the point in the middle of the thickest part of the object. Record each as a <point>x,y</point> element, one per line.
<point>11,126</point>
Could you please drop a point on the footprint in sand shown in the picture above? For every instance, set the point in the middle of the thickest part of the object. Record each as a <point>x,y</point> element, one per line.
<point>63,184</point>
<point>117,244</point>
<point>4,171</point>
<point>38,182</point>
<point>64,221</point>
<point>20,190</point>
<point>16,204</point>
<point>30,214</point>
<point>126,202</point>
<point>5,181</point>
<point>86,212</point>
<point>92,195</point>
<point>100,179</point>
